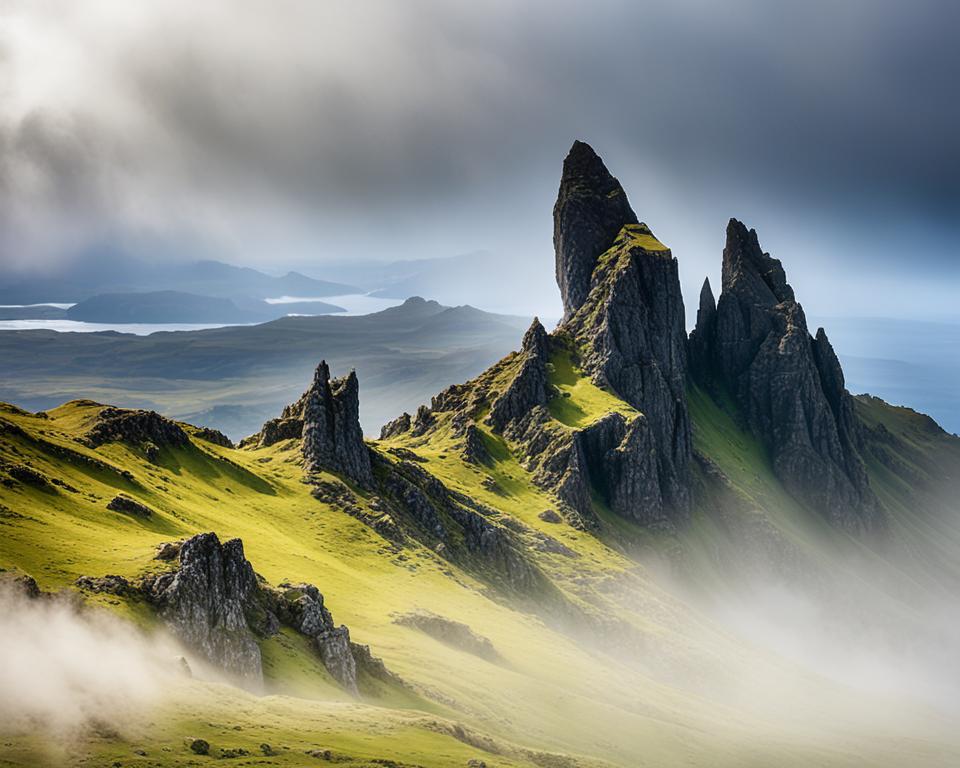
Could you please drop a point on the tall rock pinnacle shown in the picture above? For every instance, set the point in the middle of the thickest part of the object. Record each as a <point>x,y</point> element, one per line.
<point>332,437</point>
<point>590,211</point>
<point>702,334</point>
<point>623,305</point>
<point>327,420</point>
<point>788,385</point>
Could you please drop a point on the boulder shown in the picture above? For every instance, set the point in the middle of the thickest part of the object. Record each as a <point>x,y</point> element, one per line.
<point>129,506</point>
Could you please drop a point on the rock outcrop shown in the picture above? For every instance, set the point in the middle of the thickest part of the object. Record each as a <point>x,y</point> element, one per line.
<point>450,632</point>
<point>701,337</point>
<point>590,211</point>
<point>396,427</point>
<point>630,328</point>
<point>529,386</point>
<point>147,430</point>
<point>214,436</point>
<point>129,506</point>
<point>788,385</point>
<point>332,437</point>
<point>214,604</point>
<point>218,606</point>
<point>326,419</point>
<point>301,606</point>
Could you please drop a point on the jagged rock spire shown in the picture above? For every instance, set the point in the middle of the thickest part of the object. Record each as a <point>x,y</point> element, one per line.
<point>702,335</point>
<point>332,437</point>
<point>529,387</point>
<point>788,385</point>
<point>626,312</point>
<point>750,271</point>
<point>590,211</point>
<point>536,339</point>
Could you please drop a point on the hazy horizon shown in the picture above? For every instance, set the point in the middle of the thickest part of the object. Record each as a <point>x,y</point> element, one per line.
<point>439,130</point>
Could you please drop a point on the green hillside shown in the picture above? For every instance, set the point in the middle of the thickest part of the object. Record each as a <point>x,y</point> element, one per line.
<point>643,680</point>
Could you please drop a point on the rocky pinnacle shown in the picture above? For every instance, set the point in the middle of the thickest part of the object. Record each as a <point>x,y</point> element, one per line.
<point>590,211</point>
<point>630,324</point>
<point>788,385</point>
<point>332,437</point>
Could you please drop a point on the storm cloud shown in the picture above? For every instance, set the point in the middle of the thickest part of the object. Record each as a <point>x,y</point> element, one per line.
<point>305,133</point>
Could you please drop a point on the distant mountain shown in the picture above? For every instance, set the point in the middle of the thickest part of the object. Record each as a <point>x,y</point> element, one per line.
<point>209,278</point>
<point>33,312</point>
<point>178,307</point>
<point>404,354</point>
<point>498,282</point>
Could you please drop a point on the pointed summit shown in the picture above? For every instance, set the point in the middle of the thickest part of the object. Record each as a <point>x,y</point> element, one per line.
<point>536,339</point>
<point>332,437</point>
<point>590,211</point>
<point>625,312</point>
<point>747,269</point>
<point>701,337</point>
<point>788,385</point>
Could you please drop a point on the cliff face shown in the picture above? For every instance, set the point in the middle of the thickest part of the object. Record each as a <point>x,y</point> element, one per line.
<point>788,385</point>
<point>630,326</point>
<point>590,211</point>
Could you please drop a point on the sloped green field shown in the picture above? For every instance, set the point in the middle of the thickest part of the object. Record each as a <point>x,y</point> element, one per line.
<point>662,686</point>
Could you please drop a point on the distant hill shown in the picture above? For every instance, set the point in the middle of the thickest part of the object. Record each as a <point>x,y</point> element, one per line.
<point>229,378</point>
<point>498,282</point>
<point>178,307</point>
<point>209,278</point>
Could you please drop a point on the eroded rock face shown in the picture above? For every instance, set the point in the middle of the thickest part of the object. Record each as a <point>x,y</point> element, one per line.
<point>529,387</point>
<point>217,605</point>
<point>630,327</point>
<point>622,464</point>
<point>136,428</point>
<point>788,385</point>
<point>701,337</point>
<point>214,436</point>
<point>303,608</point>
<point>396,427</point>
<point>590,211</point>
<point>332,437</point>
<point>212,603</point>
<point>326,419</point>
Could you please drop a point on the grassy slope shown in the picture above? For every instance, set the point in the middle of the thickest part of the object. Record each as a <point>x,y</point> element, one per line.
<point>550,693</point>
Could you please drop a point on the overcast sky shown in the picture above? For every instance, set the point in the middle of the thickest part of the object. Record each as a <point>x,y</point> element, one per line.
<point>293,134</point>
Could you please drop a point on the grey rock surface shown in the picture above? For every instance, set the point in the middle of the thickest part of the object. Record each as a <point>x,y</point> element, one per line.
<point>630,326</point>
<point>135,427</point>
<point>590,211</point>
<point>529,386</point>
<point>212,602</point>
<point>332,437</point>
<point>787,384</point>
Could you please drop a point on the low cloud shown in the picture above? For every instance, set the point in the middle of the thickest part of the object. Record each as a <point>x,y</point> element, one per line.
<point>63,670</point>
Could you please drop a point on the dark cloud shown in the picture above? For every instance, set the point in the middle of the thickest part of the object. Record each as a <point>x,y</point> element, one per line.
<point>381,129</point>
